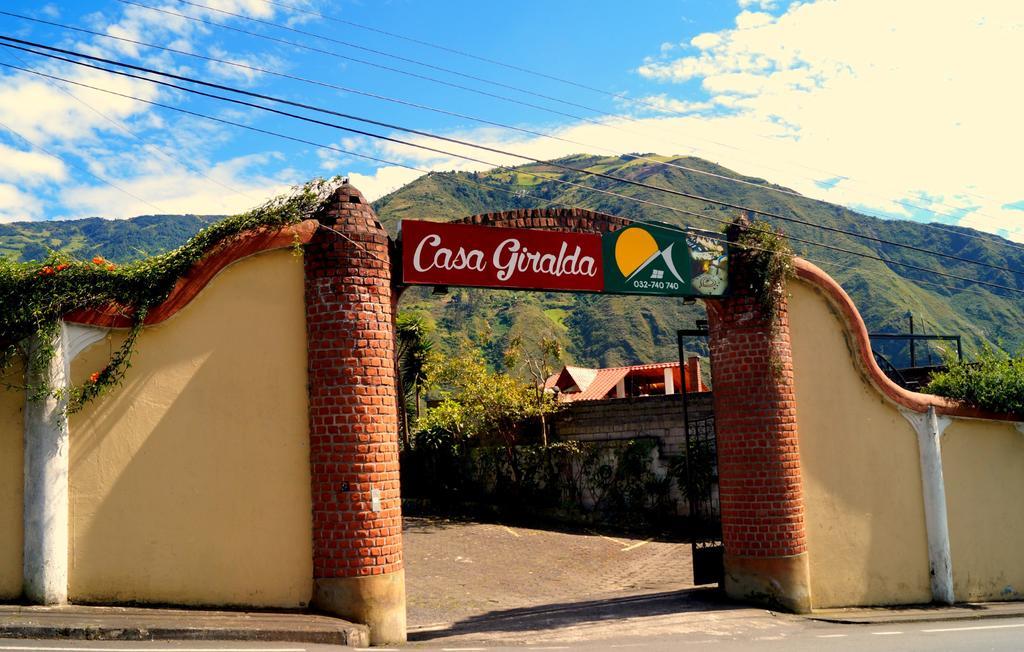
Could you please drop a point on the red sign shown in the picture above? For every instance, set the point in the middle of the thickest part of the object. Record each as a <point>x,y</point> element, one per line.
<point>440,253</point>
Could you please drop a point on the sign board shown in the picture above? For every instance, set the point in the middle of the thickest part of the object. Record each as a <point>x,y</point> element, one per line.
<point>439,253</point>
<point>640,259</point>
<point>646,259</point>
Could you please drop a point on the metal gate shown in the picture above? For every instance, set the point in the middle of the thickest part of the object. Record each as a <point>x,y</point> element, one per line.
<point>701,471</point>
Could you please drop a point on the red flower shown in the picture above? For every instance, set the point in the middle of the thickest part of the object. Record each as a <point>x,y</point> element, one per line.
<point>62,267</point>
<point>94,377</point>
<point>46,271</point>
<point>98,260</point>
<point>111,267</point>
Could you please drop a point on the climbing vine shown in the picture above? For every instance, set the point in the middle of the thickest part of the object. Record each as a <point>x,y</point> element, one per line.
<point>35,296</point>
<point>768,263</point>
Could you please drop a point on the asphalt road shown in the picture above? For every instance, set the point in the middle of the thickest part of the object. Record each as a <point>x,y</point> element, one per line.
<point>792,634</point>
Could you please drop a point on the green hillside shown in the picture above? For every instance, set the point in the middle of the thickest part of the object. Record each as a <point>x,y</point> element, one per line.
<point>610,330</point>
<point>117,240</point>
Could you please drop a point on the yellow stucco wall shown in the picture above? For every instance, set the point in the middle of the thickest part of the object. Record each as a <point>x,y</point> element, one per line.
<point>862,483</point>
<point>983,468</point>
<point>190,483</point>
<point>11,487</point>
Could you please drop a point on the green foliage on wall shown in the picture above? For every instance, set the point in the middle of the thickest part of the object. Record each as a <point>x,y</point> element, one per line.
<point>35,296</point>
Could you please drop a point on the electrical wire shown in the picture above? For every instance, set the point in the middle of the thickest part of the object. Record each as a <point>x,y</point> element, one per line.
<point>124,129</point>
<point>534,174</point>
<point>456,141</point>
<point>104,180</point>
<point>981,235</point>
<point>593,110</point>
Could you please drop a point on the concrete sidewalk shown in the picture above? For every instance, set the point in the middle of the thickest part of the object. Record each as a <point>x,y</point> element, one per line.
<point>139,624</point>
<point>919,613</point>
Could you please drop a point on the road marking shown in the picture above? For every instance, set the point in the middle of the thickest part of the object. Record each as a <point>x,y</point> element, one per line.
<point>965,629</point>
<point>516,535</point>
<point>831,635</point>
<point>886,633</point>
<point>615,541</point>
<point>636,545</point>
<point>463,649</point>
<point>366,649</point>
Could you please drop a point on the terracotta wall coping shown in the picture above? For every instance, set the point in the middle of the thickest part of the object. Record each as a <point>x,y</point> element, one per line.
<point>858,337</point>
<point>248,243</point>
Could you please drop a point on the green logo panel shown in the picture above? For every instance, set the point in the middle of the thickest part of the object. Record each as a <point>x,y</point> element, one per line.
<point>646,259</point>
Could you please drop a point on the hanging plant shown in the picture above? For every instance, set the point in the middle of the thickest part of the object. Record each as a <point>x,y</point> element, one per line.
<point>35,296</point>
<point>767,261</point>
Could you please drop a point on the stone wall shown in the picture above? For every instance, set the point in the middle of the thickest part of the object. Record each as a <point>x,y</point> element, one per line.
<point>660,417</point>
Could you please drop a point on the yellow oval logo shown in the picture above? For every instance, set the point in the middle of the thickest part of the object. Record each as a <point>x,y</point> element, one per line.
<point>633,248</point>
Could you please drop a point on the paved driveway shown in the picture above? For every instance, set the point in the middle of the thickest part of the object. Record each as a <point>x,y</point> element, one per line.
<point>460,570</point>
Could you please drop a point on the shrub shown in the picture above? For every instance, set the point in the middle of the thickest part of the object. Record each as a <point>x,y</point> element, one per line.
<point>995,382</point>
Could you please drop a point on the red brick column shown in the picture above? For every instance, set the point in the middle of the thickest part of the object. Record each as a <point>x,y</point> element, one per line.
<point>357,520</point>
<point>760,486</point>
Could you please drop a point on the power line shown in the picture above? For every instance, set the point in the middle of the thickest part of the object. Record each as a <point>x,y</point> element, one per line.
<point>120,126</point>
<point>456,141</point>
<point>593,110</point>
<point>536,175</point>
<point>764,186</point>
<point>108,182</point>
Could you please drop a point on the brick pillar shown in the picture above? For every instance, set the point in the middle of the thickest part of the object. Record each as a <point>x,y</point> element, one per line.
<point>760,484</point>
<point>357,519</point>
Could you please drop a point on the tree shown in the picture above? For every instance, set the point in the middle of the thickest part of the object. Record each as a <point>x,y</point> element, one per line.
<point>538,365</point>
<point>477,403</point>
<point>412,350</point>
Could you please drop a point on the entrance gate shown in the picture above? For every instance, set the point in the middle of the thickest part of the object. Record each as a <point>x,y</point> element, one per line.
<point>353,277</point>
<point>701,488</point>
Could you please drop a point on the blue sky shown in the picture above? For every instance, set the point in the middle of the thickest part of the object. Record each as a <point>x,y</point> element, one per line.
<point>891,108</point>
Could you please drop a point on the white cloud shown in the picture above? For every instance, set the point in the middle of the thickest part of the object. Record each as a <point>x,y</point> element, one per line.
<point>763,5</point>
<point>29,167</point>
<point>383,180</point>
<point>226,188</point>
<point>16,205</point>
<point>662,103</point>
<point>752,19</point>
<point>905,108</point>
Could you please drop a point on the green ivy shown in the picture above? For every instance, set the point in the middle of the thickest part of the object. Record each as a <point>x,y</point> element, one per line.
<point>36,295</point>
<point>769,260</point>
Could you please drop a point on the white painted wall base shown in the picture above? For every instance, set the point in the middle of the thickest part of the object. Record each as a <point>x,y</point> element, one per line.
<point>929,427</point>
<point>46,474</point>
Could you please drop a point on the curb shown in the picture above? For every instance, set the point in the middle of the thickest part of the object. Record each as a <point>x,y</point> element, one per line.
<point>932,617</point>
<point>351,635</point>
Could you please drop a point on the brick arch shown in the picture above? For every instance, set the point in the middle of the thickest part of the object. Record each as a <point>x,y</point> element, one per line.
<point>578,220</point>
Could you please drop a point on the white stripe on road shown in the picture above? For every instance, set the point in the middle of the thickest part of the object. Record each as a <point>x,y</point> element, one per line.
<point>831,635</point>
<point>886,633</point>
<point>510,531</point>
<point>966,629</point>
<point>636,545</point>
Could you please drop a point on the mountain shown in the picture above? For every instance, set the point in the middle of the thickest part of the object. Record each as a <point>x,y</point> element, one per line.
<point>117,240</point>
<point>611,330</point>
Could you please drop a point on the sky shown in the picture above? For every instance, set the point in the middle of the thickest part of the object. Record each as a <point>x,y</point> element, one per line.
<point>898,109</point>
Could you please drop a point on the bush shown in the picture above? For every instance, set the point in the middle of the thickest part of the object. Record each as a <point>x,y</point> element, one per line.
<point>995,382</point>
